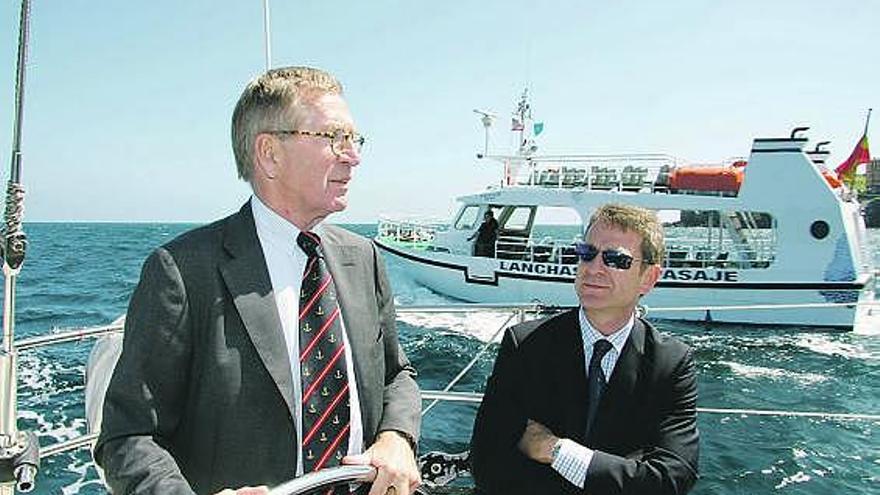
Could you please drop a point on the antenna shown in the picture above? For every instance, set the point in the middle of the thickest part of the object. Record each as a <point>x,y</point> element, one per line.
<point>486,119</point>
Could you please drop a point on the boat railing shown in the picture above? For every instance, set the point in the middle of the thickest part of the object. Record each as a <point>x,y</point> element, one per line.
<point>546,250</point>
<point>619,174</point>
<point>698,253</point>
<point>602,172</point>
<point>414,232</point>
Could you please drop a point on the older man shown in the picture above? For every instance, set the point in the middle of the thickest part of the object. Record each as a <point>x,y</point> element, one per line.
<point>593,400</point>
<point>263,346</point>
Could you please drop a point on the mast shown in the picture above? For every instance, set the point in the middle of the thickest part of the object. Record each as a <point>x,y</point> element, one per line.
<point>267,35</point>
<point>19,455</point>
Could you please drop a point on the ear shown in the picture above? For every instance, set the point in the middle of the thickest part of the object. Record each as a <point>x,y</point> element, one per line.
<point>265,158</point>
<point>649,277</point>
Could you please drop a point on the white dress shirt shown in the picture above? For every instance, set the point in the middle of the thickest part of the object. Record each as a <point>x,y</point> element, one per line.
<point>574,459</point>
<point>286,263</point>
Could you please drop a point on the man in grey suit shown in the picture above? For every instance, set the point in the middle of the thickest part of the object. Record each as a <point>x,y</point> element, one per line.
<point>593,400</point>
<point>215,389</point>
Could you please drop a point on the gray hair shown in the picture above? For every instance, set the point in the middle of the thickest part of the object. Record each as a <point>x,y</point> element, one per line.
<point>270,101</point>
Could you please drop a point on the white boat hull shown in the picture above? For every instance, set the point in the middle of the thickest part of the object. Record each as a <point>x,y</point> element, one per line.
<point>714,296</point>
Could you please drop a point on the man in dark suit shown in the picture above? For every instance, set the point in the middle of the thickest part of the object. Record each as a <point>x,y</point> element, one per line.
<point>593,400</point>
<point>218,388</point>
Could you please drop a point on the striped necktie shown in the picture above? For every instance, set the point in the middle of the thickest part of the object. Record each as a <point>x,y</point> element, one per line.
<point>325,397</point>
<point>595,381</point>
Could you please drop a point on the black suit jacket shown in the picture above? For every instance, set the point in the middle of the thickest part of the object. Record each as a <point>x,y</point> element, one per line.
<point>201,398</point>
<point>645,434</point>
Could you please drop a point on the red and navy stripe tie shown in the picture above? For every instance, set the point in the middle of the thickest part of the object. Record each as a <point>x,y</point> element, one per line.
<point>325,394</point>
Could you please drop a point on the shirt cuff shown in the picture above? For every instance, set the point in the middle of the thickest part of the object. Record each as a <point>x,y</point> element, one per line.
<point>573,461</point>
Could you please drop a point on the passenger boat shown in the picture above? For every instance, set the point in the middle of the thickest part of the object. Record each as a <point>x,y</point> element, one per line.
<point>773,231</point>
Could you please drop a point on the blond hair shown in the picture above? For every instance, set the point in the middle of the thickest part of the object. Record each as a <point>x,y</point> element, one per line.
<point>272,101</point>
<point>634,219</point>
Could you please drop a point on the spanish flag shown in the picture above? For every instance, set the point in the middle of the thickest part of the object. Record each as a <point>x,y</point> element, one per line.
<point>860,154</point>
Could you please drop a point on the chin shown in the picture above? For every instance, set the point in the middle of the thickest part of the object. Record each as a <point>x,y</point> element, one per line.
<point>338,204</point>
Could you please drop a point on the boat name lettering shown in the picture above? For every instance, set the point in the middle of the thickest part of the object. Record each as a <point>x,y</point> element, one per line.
<point>713,276</point>
<point>539,268</point>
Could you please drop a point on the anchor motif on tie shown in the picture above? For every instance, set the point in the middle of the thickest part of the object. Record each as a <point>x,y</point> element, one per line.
<point>302,294</point>
<point>310,456</point>
<point>306,371</point>
<point>338,455</point>
<point>316,276</point>
<point>306,328</point>
<point>338,375</point>
<point>319,311</point>
<point>332,338</point>
<point>335,419</point>
<point>324,392</point>
<point>319,355</point>
<point>312,409</point>
<point>323,438</point>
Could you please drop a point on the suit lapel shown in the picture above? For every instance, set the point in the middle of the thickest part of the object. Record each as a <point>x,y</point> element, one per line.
<point>247,279</point>
<point>346,263</point>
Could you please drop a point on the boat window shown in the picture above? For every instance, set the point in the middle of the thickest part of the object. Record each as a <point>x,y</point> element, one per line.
<point>467,219</point>
<point>557,225</point>
<point>554,232</point>
<point>731,240</point>
<point>518,219</point>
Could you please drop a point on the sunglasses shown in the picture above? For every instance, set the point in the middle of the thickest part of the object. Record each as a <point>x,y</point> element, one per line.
<point>612,258</point>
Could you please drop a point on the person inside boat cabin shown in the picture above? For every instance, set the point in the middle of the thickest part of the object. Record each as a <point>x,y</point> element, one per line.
<point>263,346</point>
<point>486,236</point>
<point>593,400</point>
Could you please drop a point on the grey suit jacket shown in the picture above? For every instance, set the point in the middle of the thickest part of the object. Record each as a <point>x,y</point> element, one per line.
<point>201,397</point>
<point>645,435</point>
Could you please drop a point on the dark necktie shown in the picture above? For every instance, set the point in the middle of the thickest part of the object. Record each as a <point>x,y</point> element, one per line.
<point>595,381</point>
<point>325,397</point>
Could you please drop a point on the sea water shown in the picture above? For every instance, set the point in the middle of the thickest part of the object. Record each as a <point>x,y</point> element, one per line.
<point>82,274</point>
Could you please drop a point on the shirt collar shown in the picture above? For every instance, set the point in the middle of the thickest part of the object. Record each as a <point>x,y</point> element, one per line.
<point>617,338</point>
<point>276,228</point>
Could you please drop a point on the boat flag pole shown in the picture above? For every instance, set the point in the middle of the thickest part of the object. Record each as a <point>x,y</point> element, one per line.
<point>19,451</point>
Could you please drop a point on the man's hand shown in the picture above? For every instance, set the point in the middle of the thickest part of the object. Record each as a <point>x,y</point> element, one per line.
<point>537,442</point>
<point>395,460</point>
<point>246,490</point>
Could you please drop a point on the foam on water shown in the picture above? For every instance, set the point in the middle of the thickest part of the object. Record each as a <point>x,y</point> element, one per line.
<point>483,326</point>
<point>798,477</point>
<point>830,345</point>
<point>749,371</point>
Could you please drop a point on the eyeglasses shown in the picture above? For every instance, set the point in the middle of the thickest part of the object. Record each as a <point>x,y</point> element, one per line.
<point>339,139</point>
<point>612,258</point>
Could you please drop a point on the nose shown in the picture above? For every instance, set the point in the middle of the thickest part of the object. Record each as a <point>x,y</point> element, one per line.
<point>350,156</point>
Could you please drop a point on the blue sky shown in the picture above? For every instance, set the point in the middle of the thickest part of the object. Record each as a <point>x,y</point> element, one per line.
<point>128,103</point>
